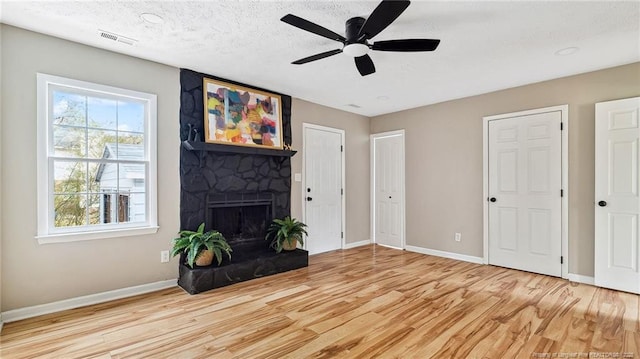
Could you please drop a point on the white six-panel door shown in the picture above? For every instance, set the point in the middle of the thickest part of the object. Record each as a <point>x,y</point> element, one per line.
<point>388,188</point>
<point>323,188</point>
<point>524,192</point>
<point>617,203</point>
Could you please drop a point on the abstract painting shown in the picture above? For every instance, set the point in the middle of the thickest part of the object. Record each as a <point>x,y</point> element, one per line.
<point>238,115</point>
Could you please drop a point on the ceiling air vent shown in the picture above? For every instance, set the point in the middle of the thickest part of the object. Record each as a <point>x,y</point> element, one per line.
<point>115,37</point>
<point>353,105</point>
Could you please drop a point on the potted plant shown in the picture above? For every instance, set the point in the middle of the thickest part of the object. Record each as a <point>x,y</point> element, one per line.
<point>286,234</point>
<point>201,247</point>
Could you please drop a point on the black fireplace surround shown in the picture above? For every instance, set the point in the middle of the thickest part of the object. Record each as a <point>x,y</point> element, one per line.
<point>237,194</point>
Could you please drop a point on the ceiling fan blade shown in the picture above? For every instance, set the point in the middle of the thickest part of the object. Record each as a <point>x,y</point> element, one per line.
<point>315,57</point>
<point>311,27</point>
<point>383,15</point>
<point>407,45</point>
<point>365,65</point>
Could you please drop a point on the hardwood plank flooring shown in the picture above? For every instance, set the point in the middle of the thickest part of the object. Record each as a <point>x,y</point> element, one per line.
<point>364,302</point>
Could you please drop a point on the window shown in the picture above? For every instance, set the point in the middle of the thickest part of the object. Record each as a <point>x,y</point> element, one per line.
<point>96,161</point>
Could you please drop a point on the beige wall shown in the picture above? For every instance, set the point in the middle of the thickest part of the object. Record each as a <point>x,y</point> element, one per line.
<point>444,159</point>
<point>356,159</point>
<point>36,274</point>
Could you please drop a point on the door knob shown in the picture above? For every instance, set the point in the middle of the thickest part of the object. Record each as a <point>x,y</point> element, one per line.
<point>389,197</point>
<point>309,198</point>
<point>492,199</point>
<point>602,203</point>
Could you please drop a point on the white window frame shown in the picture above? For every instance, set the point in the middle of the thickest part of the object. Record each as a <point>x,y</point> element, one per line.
<point>47,233</point>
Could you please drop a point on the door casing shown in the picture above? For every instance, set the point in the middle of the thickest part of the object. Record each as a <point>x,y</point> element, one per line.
<point>372,182</point>
<point>564,110</point>
<point>306,126</point>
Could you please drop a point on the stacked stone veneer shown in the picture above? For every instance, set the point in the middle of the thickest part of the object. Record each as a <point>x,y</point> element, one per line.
<point>223,172</point>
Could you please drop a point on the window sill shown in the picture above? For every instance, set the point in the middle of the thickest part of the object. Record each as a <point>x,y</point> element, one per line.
<point>85,236</point>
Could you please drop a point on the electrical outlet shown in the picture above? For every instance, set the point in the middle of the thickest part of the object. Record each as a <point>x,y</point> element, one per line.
<point>457,237</point>
<point>164,256</point>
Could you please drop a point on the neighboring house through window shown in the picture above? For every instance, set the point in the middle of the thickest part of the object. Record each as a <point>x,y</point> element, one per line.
<point>122,187</point>
<point>96,161</point>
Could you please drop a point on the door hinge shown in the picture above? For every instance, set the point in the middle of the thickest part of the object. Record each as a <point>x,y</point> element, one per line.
<point>341,149</point>
<point>561,126</point>
<point>341,234</point>
<point>561,260</point>
<point>341,191</point>
<point>561,193</point>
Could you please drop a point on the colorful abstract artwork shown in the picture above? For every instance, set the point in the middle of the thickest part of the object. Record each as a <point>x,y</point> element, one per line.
<point>237,115</point>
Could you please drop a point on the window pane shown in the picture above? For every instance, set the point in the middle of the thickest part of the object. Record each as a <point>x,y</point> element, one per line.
<point>69,141</point>
<point>130,146</point>
<point>70,210</point>
<point>102,113</point>
<point>102,144</point>
<point>95,208</point>
<point>137,206</point>
<point>69,176</point>
<point>69,109</point>
<point>130,116</point>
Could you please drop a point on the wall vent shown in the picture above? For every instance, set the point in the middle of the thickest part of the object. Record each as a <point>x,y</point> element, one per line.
<point>115,37</point>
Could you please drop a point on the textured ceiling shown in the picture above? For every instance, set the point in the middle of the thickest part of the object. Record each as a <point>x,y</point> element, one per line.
<point>486,45</point>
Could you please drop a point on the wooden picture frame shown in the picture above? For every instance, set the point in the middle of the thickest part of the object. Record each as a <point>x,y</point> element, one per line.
<point>241,116</point>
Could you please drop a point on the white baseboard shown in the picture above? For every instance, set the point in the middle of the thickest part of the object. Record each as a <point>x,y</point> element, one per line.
<point>36,310</point>
<point>356,244</point>
<point>578,278</point>
<point>450,255</point>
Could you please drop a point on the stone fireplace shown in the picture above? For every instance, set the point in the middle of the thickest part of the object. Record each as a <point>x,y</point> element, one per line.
<point>235,190</point>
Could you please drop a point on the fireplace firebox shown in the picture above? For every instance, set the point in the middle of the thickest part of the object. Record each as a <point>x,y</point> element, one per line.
<point>242,218</point>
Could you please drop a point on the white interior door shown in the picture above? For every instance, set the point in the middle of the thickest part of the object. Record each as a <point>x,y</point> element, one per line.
<point>524,188</point>
<point>388,189</point>
<point>617,204</point>
<point>323,188</point>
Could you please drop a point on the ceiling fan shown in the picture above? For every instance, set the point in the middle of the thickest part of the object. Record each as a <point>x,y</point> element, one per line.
<point>358,33</point>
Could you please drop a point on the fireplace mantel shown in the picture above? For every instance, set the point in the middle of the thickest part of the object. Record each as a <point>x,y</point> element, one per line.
<point>215,147</point>
<point>204,147</point>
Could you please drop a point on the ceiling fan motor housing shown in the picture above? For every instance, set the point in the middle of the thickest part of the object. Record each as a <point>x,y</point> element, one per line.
<point>353,27</point>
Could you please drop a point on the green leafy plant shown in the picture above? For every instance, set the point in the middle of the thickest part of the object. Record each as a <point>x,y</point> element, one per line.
<point>192,243</point>
<point>284,233</point>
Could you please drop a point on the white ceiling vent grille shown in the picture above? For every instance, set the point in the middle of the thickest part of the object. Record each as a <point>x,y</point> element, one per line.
<point>353,105</point>
<point>115,37</point>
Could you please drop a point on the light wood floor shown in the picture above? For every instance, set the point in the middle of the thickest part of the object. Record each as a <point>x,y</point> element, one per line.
<point>364,302</point>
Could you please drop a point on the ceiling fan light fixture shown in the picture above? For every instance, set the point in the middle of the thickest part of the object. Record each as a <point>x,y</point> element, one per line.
<point>356,50</point>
